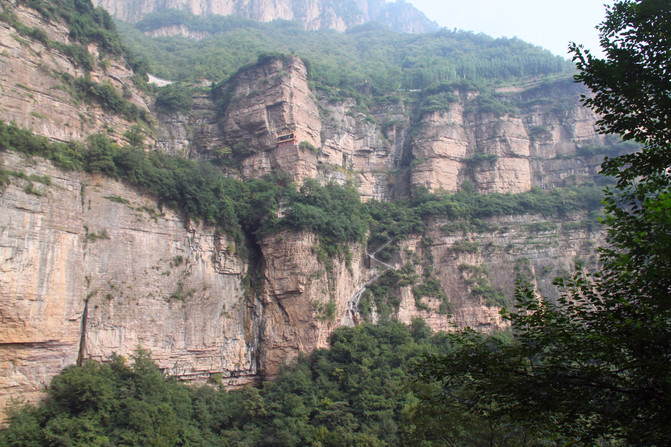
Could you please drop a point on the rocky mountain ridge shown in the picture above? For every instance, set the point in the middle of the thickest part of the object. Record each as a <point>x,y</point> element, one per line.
<point>91,267</point>
<point>338,15</point>
<point>532,146</point>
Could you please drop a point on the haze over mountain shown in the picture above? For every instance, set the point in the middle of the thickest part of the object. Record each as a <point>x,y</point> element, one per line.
<point>312,14</point>
<point>551,25</point>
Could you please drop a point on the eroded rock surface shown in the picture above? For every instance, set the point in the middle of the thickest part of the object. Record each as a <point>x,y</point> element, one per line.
<point>91,268</point>
<point>312,14</point>
<point>304,300</point>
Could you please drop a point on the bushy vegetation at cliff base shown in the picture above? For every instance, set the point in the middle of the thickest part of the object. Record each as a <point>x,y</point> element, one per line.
<point>359,392</point>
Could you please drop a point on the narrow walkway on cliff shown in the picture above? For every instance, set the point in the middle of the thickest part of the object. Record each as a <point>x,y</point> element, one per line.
<point>351,316</point>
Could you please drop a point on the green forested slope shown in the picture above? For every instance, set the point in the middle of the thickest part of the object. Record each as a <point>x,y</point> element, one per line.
<point>368,54</point>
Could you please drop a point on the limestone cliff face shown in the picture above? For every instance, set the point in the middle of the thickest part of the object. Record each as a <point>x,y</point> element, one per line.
<point>195,135</point>
<point>90,268</point>
<point>535,146</point>
<point>178,30</point>
<point>303,300</point>
<point>313,14</point>
<point>35,95</point>
<point>472,265</point>
<point>504,153</point>
<point>265,103</point>
<point>531,145</point>
<point>260,10</point>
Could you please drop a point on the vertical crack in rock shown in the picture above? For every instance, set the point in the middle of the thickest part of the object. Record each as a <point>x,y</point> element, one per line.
<point>274,294</point>
<point>82,334</point>
<point>256,305</point>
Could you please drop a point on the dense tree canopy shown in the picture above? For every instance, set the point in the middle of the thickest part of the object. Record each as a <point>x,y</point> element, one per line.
<point>354,394</point>
<point>597,364</point>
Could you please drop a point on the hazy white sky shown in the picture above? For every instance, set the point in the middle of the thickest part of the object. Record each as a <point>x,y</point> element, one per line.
<point>551,24</point>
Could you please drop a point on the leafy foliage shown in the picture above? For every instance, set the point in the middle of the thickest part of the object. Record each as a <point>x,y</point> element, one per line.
<point>332,211</point>
<point>104,94</point>
<point>385,290</point>
<point>82,88</point>
<point>397,220</point>
<point>360,391</point>
<point>174,98</point>
<point>354,393</point>
<point>201,191</point>
<point>87,24</point>
<point>634,76</point>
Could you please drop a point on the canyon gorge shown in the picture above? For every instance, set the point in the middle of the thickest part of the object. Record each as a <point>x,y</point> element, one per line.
<point>92,267</point>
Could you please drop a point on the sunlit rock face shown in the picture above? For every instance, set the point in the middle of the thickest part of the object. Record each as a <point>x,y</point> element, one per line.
<point>440,150</point>
<point>91,269</point>
<point>34,93</point>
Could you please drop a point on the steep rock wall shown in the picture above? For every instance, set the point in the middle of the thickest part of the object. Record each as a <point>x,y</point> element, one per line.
<point>534,145</point>
<point>479,270</point>
<point>195,135</point>
<point>259,10</point>
<point>267,102</point>
<point>504,153</point>
<point>304,300</point>
<point>91,268</point>
<point>384,151</point>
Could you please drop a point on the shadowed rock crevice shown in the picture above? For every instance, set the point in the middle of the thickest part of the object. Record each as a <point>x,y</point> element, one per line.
<point>81,356</point>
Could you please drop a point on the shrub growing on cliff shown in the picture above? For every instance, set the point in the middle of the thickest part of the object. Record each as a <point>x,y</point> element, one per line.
<point>86,23</point>
<point>107,96</point>
<point>201,191</point>
<point>174,98</point>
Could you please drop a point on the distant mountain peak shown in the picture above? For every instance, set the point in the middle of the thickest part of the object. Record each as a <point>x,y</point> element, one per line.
<point>339,15</point>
